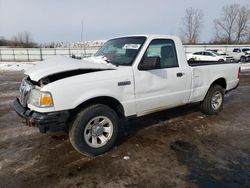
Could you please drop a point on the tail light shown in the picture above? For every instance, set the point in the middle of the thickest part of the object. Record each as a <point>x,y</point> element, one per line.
<point>239,73</point>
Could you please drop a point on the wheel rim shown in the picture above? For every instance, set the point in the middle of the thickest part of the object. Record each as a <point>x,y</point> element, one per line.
<point>98,131</point>
<point>216,100</point>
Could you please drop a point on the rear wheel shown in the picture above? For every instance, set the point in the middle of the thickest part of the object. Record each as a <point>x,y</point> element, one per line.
<point>213,102</point>
<point>242,59</point>
<point>221,60</point>
<point>95,130</point>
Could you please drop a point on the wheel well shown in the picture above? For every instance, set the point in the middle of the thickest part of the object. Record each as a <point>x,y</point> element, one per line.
<point>242,57</point>
<point>221,81</point>
<point>109,101</point>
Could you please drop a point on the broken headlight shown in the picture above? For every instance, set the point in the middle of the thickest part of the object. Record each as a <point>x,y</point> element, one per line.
<point>40,98</point>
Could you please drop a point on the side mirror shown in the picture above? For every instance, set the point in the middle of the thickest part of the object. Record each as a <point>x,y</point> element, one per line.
<point>149,63</point>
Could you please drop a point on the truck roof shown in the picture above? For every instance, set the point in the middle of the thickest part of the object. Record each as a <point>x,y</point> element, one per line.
<point>149,36</point>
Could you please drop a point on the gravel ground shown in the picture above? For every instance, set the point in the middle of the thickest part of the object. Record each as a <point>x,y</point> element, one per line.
<point>180,147</point>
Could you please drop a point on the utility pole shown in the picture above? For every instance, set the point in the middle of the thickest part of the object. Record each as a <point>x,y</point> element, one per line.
<point>83,42</point>
<point>81,38</point>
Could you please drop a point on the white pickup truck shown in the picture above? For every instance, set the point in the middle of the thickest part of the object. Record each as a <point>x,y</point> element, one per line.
<point>241,54</point>
<point>128,77</point>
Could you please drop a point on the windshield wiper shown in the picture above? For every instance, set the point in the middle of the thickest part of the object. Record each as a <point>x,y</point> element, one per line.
<point>109,61</point>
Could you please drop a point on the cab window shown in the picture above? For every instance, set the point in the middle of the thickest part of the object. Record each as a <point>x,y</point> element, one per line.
<point>237,50</point>
<point>165,50</point>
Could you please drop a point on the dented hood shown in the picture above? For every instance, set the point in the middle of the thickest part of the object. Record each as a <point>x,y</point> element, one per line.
<point>59,64</point>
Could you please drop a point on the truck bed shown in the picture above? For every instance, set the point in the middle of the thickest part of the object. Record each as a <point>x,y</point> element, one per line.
<point>203,74</point>
<point>203,63</point>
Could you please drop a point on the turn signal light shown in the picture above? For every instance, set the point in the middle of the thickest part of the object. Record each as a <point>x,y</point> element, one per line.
<point>46,100</point>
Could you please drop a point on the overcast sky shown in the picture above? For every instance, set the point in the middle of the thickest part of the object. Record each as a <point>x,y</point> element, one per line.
<point>60,20</point>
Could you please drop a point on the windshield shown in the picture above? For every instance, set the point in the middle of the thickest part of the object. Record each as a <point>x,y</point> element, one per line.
<point>121,51</point>
<point>246,49</point>
<point>216,53</point>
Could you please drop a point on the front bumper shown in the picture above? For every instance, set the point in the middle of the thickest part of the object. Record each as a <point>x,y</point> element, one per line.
<point>52,121</point>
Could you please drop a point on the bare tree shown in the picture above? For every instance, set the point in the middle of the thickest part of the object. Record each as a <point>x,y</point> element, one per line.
<point>192,23</point>
<point>233,25</point>
<point>27,38</point>
<point>242,23</point>
<point>23,39</point>
<point>224,26</point>
<point>17,41</point>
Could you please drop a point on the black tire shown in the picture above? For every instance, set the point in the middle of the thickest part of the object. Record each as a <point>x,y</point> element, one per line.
<point>221,60</point>
<point>242,59</point>
<point>77,130</point>
<point>207,105</point>
<point>191,59</point>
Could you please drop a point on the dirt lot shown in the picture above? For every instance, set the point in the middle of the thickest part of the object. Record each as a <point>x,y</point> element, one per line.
<point>176,148</point>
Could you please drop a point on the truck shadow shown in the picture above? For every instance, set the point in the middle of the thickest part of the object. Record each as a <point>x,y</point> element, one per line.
<point>132,126</point>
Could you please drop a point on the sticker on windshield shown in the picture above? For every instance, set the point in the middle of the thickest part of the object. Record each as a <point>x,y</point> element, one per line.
<point>131,46</point>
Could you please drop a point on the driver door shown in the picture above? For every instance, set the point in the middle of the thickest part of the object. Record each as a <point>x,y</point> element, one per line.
<point>165,86</point>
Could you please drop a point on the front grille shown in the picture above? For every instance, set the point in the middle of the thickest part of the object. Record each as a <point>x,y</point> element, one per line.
<point>25,90</point>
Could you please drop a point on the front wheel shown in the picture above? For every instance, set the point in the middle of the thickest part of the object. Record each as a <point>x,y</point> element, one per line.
<point>213,102</point>
<point>95,130</point>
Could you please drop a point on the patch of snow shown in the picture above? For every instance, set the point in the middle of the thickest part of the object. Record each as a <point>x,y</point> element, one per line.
<point>16,66</point>
<point>126,157</point>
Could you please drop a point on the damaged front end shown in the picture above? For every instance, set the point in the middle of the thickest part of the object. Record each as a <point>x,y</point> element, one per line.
<point>52,121</point>
<point>36,104</point>
<point>31,94</point>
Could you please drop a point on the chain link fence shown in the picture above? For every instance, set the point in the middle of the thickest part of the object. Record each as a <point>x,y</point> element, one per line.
<point>39,54</point>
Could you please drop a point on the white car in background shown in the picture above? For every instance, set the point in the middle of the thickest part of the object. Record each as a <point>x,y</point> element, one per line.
<point>205,56</point>
<point>229,58</point>
<point>242,55</point>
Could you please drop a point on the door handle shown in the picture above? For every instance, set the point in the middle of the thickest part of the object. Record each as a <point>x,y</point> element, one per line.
<point>179,74</point>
